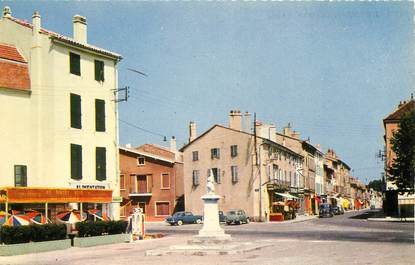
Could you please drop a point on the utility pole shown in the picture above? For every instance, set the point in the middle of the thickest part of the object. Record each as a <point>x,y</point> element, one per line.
<point>258,164</point>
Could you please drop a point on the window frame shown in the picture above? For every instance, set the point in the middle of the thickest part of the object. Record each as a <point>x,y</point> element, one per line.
<point>215,153</point>
<point>77,165</point>
<point>195,177</point>
<point>156,210</point>
<point>22,175</point>
<point>75,111</point>
<point>217,176</point>
<point>122,187</point>
<point>102,163</point>
<point>72,68</point>
<point>100,115</point>
<point>195,155</point>
<point>162,187</point>
<point>234,174</point>
<point>138,161</point>
<point>100,77</point>
<point>234,150</point>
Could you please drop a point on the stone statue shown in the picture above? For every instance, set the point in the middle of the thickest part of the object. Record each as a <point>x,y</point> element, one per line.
<point>210,183</point>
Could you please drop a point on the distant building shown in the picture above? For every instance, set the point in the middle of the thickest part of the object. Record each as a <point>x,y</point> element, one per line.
<point>58,121</point>
<point>251,173</point>
<point>395,203</point>
<point>151,179</point>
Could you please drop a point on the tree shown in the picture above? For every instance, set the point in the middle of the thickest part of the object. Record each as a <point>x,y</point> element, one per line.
<point>376,185</point>
<point>402,171</point>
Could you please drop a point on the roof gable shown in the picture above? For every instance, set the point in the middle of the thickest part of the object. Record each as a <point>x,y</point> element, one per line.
<point>14,70</point>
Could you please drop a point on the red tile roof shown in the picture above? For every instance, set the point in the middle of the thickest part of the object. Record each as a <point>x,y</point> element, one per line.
<point>402,109</point>
<point>14,71</point>
<point>10,52</point>
<point>67,40</point>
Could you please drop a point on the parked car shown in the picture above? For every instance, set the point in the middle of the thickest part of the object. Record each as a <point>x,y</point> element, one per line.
<point>325,210</point>
<point>222,217</point>
<point>180,218</point>
<point>236,217</point>
<point>335,209</point>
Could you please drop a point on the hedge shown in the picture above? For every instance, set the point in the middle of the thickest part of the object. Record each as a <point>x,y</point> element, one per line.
<point>99,228</point>
<point>32,233</point>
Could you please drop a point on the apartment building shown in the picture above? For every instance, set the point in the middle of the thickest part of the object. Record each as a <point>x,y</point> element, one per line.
<point>59,131</point>
<point>151,179</point>
<point>251,171</point>
<point>394,202</point>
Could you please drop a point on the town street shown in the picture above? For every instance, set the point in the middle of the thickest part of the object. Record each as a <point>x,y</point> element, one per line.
<point>344,239</point>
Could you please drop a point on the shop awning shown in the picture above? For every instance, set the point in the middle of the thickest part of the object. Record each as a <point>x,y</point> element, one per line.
<point>286,195</point>
<point>53,195</point>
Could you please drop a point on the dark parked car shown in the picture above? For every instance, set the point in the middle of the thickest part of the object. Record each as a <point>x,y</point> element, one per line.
<point>325,210</point>
<point>222,217</point>
<point>180,218</point>
<point>236,217</point>
<point>336,209</point>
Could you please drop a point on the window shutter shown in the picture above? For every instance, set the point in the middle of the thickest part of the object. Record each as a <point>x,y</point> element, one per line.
<point>100,115</point>
<point>75,63</point>
<point>99,70</point>
<point>101,164</point>
<point>76,161</point>
<point>24,176</point>
<point>76,111</point>
<point>218,173</point>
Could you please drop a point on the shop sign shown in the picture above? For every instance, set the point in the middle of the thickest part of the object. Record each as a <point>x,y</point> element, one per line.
<point>117,199</point>
<point>92,186</point>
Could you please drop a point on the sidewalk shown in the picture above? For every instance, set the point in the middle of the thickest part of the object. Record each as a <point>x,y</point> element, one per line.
<point>299,218</point>
<point>392,219</point>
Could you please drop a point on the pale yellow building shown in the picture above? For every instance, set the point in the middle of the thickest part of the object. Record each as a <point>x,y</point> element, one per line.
<point>59,133</point>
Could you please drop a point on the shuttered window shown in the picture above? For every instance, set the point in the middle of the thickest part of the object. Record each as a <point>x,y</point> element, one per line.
<point>101,163</point>
<point>100,115</point>
<point>76,161</point>
<point>76,111</point>
<point>162,208</point>
<point>20,176</point>
<point>75,63</point>
<point>99,70</point>
<point>216,175</point>
<point>165,181</point>
<point>195,177</point>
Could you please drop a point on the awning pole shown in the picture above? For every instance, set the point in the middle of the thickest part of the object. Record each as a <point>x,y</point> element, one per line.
<point>7,209</point>
<point>80,204</point>
<point>46,212</point>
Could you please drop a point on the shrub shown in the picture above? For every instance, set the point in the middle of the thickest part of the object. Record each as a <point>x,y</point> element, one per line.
<point>35,233</point>
<point>98,228</point>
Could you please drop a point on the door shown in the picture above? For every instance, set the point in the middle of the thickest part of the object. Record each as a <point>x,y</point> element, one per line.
<point>142,184</point>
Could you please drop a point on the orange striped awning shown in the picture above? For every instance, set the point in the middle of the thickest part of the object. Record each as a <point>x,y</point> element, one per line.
<point>53,195</point>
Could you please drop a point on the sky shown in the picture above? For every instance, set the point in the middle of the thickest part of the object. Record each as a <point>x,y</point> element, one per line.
<point>333,70</point>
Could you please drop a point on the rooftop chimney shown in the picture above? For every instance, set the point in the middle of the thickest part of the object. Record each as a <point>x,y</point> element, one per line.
<point>192,131</point>
<point>79,29</point>
<point>247,122</point>
<point>173,147</point>
<point>36,22</point>
<point>7,12</point>
<point>235,120</point>
<point>295,135</point>
<point>287,130</point>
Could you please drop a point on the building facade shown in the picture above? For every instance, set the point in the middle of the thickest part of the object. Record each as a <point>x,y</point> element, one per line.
<point>396,204</point>
<point>250,170</point>
<point>59,118</point>
<point>151,179</point>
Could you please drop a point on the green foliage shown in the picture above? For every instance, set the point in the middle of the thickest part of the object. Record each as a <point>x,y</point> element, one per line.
<point>31,233</point>
<point>403,144</point>
<point>376,185</point>
<point>98,228</point>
